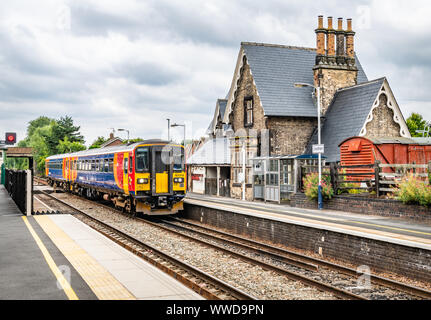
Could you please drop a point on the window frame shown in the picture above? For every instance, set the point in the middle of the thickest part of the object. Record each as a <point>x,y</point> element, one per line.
<point>248,107</point>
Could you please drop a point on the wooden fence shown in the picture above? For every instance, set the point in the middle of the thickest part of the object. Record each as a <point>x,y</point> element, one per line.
<point>379,178</point>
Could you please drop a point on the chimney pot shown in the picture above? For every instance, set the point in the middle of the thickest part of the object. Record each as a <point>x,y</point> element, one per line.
<point>320,37</point>
<point>111,136</point>
<point>320,22</point>
<point>349,24</point>
<point>329,22</point>
<point>340,23</point>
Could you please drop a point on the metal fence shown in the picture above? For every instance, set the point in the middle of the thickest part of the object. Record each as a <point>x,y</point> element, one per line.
<point>20,187</point>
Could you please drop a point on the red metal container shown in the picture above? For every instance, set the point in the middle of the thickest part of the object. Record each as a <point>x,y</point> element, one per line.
<point>397,150</point>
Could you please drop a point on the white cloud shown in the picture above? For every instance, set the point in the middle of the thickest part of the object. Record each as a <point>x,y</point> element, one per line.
<point>133,63</point>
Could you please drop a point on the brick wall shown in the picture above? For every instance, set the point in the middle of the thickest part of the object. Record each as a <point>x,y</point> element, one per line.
<point>378,255</point>
<point>363,205</point>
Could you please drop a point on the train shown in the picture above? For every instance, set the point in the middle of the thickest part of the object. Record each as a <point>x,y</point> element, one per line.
<point>145,177</point>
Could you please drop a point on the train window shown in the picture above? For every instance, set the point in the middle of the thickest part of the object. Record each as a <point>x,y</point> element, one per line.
<point>101,165</point>
<point>130,164</point>
<point>111,165</point>
<point>93,165</point>
<point>125,165</point>
<point>142,159</point>
<point>178,158</point>
<point>106,165</point>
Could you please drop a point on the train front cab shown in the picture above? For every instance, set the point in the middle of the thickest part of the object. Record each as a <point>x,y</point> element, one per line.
<point>160,180</point>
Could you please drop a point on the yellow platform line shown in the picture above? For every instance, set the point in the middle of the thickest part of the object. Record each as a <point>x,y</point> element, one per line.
<point>60,278</point>
<point>104,285</point>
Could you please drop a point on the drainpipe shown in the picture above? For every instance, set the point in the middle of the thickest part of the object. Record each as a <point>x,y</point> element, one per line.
<point>243,170</point>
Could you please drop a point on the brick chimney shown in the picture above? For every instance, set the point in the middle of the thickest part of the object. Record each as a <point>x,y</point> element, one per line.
<point>350,50</point>
<point>111,136</point>
<point>335,67</point>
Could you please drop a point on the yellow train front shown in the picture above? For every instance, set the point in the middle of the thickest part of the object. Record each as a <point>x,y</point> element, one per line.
<point>147,176</point>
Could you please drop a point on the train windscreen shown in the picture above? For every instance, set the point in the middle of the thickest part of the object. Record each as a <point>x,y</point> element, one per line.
<point>142,159</point>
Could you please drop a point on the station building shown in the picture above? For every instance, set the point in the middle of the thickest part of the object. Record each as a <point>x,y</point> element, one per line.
<point>266,118</point>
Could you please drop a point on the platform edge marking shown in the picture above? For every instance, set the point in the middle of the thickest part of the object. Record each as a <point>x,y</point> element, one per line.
<point>70,293</point>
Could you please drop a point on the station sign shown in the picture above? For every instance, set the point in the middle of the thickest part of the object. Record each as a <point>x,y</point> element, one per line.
<point>318,148</point>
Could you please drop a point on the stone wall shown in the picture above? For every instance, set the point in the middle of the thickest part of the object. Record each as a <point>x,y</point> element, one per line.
<point>380,256</point>
<point>246,88</point>
<point>332,79</point>
<point>383,124</point>
<point>290,135</point>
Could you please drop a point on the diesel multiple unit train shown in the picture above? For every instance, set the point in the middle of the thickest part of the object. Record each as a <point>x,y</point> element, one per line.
<point>147,176</point>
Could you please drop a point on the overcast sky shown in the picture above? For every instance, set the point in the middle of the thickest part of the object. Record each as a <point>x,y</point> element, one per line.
<point>132,64</point>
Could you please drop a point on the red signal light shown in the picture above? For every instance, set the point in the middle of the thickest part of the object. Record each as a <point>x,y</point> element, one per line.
<point>10,137</point>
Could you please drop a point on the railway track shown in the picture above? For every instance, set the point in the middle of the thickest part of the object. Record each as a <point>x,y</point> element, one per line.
<point>201,282</point>
<point>95,223</point>
<point>288,263</point>
<point>259,248</point>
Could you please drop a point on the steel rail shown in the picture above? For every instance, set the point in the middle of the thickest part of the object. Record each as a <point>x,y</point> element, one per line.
<point>393,284</point>
<point>322,263</point>
<point>340,293</point>
<point>199,281</point>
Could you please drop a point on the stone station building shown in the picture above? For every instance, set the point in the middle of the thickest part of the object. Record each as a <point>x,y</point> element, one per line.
<point>267,117</point>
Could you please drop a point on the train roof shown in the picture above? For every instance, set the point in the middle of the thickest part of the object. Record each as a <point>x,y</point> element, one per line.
<point>426,141</point>
<point>107,150</point>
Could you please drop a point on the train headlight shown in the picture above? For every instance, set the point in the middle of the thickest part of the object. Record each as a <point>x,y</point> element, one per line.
<point>178,180</point>
<point>142,181</point>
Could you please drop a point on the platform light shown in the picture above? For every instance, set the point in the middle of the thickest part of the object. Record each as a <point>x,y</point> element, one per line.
<point>10,138</point>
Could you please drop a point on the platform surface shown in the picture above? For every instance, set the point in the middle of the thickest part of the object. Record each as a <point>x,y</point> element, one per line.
<point>400,231</point>
<point>57,257</point>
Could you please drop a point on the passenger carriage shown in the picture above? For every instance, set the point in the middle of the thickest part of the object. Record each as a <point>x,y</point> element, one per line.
<point>147,176</point>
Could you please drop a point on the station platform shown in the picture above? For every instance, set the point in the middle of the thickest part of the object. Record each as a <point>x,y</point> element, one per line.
<point>57,257</point>
<point>394,230</point>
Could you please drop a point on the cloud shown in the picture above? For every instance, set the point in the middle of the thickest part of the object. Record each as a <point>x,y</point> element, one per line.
<point>133,63</point>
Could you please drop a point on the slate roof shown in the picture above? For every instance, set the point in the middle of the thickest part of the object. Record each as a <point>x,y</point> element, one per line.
<point>221,108</point>
<point>275,69</point>
<point>345,116</point>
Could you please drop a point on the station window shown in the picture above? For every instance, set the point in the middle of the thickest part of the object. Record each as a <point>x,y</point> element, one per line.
<point>248,111</point>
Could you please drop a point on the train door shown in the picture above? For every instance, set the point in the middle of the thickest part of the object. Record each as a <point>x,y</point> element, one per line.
<point>161,170</point>
<point>131,175</point>
<point>126,173</point>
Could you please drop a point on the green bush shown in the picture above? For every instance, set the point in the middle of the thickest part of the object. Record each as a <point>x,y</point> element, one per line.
<point>412,190</point>
<point>311,183</point>
<point>349,185</point>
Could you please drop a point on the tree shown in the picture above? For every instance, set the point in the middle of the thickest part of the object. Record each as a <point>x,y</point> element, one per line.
<point>49,136</point>
<point>416,122</point>
<point>97,143</point>
<point>61,129</point>
<point>42,121</point>
<point>67,146</point>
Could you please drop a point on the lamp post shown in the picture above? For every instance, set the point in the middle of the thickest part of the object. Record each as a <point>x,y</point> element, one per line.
<point>169,126</point>
<point>127,133</point>
<point>181,125</point>
<point>319,188</point>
